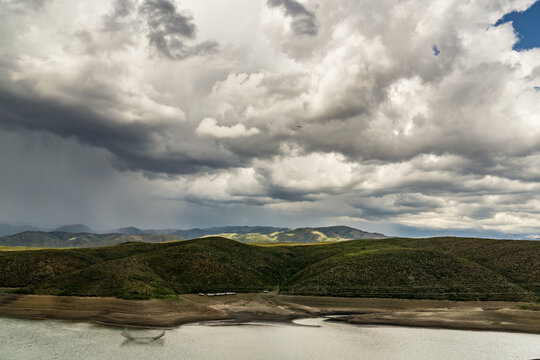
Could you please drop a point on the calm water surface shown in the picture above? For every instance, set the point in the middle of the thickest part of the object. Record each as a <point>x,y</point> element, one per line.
<point>26,339</point>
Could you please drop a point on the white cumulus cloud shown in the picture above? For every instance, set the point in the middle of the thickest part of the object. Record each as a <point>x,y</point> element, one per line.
<point>209,127</point>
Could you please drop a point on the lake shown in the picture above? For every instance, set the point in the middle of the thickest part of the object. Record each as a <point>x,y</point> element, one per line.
<point>32,339</point>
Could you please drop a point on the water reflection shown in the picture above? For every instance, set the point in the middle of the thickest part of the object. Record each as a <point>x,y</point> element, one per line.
<point>308,339</point>
<point>155,343</point>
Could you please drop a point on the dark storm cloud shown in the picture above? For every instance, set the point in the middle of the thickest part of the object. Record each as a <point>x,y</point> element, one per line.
<point>304,22</point>
<point>248,200</point>
<point>168,30</point>
<point>395,204</point>
<point>164,20</point>
<point>291,195</point>
<point>295,194</point>
<point>122,8</point>
<point>259,146</point>
<point>133,144</point>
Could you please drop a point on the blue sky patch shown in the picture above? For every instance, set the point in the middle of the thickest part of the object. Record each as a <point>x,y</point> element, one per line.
<point>436,50</point>
<point>537,88</point>
<point>526,25</point>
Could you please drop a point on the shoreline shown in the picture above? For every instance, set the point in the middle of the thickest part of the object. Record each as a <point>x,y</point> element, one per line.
<point>244,308</point>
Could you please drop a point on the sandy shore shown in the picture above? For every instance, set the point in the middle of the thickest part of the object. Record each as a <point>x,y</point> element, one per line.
<point>493,316</point>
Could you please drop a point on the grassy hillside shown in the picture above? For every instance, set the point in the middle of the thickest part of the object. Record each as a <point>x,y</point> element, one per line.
<point>300,235</point>
<point>438,268</point>
<point>17,248</point>
<point>323,234</point>
<point>60,239</point>
<point>402,273</point>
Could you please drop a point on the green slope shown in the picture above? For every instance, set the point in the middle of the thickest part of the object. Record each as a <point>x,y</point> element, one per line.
<point>302,235</point>
<point>129,278</point>
<point>322,234</point>
<point>439,268</point>
<point>403,273</point>
<point>34,267</point>
<point>217,264</point>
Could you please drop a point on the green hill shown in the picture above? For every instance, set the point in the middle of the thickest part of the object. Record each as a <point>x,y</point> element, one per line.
<point>438,268</point>
<point>131,230</point>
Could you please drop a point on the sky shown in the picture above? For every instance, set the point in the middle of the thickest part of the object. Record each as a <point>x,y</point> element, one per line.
<point>527,26</point>
<point>410,118</point>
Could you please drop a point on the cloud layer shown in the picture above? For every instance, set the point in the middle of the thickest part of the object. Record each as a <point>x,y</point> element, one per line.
<point>314,111</point>
<point>303,22</point>
<point>209,127</point>
<point>168,30</point>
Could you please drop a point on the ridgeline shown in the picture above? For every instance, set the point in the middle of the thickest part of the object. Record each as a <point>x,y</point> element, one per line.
<point>61,239</point>
<point>437,268</point>
<point>81,236</point>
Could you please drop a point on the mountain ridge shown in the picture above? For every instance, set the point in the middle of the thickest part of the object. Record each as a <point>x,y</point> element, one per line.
<point>245,234</point>
<point>10,229</point>
<point>268,233</point>
<point>74,228</point>
<point>60,239</point>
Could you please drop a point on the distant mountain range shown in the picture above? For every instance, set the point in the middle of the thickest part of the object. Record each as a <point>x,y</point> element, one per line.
<point>198,233</point>
<point>76,229</point>
<point>80,235</point>
<point>8,229</point>
<point>55,239</point>
<point>266,234</point>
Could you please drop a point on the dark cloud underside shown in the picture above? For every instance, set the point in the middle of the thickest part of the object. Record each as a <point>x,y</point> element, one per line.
<point>134,144</point>
<point>169,29</point>
<point>304,21</point>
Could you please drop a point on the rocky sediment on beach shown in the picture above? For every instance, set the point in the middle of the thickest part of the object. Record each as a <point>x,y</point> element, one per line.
<point>191,308</point>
